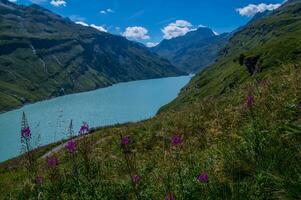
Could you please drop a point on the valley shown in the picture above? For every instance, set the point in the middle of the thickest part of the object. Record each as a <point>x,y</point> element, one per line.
<point>233,132</point>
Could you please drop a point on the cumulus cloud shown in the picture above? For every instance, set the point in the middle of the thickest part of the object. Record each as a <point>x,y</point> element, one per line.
<point>106,11</point>
<point>58,3</point>
<point>100,28</point>
<point>151,44</point>
<point>252,9</point>
<point>176,29</point>
<point>136,32</point>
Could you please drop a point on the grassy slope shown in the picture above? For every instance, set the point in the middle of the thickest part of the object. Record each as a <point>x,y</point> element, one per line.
<point>249,153</point>
<point>276,39</point>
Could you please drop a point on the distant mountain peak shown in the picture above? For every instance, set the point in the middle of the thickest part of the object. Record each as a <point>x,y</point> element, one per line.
<point>200,33</point>
<point>194,50</point>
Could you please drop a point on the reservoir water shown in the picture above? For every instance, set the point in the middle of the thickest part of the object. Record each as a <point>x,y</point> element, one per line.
<point>120,103</point>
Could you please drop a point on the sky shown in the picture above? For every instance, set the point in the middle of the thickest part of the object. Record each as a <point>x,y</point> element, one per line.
<point>151,21</point>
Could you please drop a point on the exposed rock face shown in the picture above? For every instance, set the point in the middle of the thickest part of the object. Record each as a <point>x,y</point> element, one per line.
<point>251,63</point>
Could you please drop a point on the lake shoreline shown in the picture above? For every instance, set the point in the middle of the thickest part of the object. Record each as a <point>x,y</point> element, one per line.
<point>49,119</point>
<point>109,85</point>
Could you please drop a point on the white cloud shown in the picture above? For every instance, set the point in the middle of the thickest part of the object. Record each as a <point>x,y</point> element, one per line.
<point>253,9</point>
<point>58,3</point>
<point>100,28</point>
<point>82,23</point>
<point>106,11</point>
<point>136,32</point>
<point>176,29</point>
<point>152,44</point>
<point>14,1</point>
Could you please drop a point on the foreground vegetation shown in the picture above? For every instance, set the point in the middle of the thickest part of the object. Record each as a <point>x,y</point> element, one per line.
<point>248,149</point>
<point>233,133</point>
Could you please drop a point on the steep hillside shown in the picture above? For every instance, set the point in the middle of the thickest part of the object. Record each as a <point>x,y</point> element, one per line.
<point>255,51</point>
<point>193,51</point>
<point>234,133</point>
<point>44,55</point>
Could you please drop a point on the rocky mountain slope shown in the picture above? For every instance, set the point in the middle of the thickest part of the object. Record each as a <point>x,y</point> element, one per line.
<point>44,55</point>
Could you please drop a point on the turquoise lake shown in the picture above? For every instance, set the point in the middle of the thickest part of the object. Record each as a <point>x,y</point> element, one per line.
<point>120,103</point>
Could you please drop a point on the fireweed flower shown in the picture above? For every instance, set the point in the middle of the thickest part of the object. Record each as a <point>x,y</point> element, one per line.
<point>169,196</point>
<point>125,140</point>
<point>203,177</point>
<point>25,132</point>
<point>250,101</point>
<point>84,129</point>
<point>176,140</point>
<point>52,161</point>
<point>71,146</point>
<point>136,179</point>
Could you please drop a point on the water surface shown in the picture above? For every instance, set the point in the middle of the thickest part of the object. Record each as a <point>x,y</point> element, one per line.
<point>120,103</point>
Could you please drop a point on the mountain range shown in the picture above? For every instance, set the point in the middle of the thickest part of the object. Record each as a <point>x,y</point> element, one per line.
<point>199,48</point>
<point>44,55</point>
<point>193,51</point>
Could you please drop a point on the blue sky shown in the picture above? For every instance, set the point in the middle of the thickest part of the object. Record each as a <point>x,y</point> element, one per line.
<point>150,21</point>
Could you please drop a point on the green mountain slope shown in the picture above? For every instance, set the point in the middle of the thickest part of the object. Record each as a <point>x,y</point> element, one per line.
<point>239,124</point>
<point>44,55</point>
<point>254,52</point>
<point>193,51</point>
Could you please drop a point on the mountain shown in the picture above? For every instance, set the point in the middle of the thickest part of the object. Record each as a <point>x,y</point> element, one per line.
<point>258,49</point>
<point>44,55</point>
<point>261,15</point>
<point>193,51</point>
